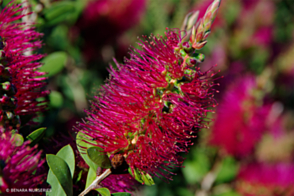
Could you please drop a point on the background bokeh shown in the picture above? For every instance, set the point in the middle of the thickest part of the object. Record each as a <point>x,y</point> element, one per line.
<point>248,149</point>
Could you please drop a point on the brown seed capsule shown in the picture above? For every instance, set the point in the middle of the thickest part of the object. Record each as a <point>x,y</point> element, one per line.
<point>117,160</point>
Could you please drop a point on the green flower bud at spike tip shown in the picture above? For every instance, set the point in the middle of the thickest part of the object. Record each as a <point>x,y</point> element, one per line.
<point>201,29</point>
<point>189,23</point>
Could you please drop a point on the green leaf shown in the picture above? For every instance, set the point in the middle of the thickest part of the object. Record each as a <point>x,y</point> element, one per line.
<point>91,176</point>
<point>82,146</point>
<point>142,177</point>
<point>97,155</point>
<point>56,189</point>
<point>228,193</point>
<point>59,176</point>
<point>184,191</point>
<point>36,135</point>
<point>103,191</point>
<point>195,169</point>
<point>79,176</point>
<point>67,154</point>
<point>17,139</point>
<point>59,39</point>
<point>53,63</point>
<point>62,11</point>
<point>121,194</point>
<point>228,170</point>
<point>56,99</point>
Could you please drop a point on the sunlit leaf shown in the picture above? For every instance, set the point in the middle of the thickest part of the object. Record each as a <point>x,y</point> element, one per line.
<point>53,63</point>
<point>103,191</point>
<point>67,154</point>
<point>91,176</point>
<point>82,147</point>
<point>79,176</point>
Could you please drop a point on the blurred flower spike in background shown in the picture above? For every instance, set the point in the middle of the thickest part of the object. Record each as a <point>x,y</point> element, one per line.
<point>262,179</point>
<point>20,165</point>
<point>241,118</point>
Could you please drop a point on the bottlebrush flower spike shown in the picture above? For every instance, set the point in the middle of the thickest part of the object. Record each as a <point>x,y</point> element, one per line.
<point>152,105</point>
<point>240,120</point>
<point>20,82</point>
<point>262,179</point>
<point>18,166</point>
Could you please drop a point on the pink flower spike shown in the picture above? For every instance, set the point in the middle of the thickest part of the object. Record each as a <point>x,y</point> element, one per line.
<point>261,179</point>
<point>240,122</point>
<point>152,106</point>
<point>20,166</point>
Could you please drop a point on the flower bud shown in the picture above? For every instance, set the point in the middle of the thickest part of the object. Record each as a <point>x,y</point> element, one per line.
<point>187,46</point>
<point>117,160</point>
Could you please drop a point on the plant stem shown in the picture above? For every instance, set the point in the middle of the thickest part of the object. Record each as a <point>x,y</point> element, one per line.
<point>96,182</point>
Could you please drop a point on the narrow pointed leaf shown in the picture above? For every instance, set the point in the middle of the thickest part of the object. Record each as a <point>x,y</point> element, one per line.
<point>36,135</point>
<point>142,177</point>
<point>103,191</point>
<point>79,176</point>
<point>91,176</point>
<point>62,11</point>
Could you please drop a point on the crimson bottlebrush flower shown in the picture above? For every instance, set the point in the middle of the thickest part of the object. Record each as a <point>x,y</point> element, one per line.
<point>18,166</point>
<point>240,120</point>
<point>266,180</point>
<point>21,83</point>
<point>152,105</point>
